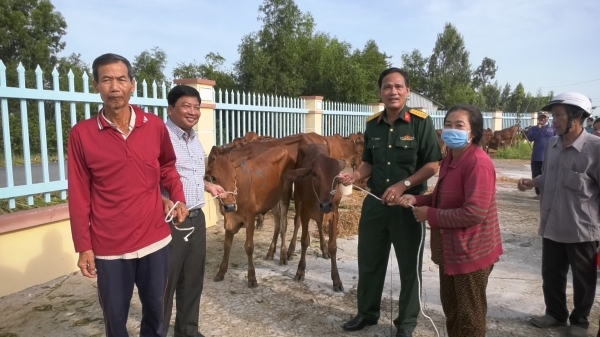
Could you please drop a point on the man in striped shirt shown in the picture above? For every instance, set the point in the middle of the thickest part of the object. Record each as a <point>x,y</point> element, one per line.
<point>188,248</point>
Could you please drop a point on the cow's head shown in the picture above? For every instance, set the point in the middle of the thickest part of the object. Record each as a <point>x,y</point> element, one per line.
<point>223,173</point>
<point>323,176</point>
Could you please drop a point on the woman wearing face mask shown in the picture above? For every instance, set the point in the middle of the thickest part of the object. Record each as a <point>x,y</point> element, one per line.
<point>462,214</point>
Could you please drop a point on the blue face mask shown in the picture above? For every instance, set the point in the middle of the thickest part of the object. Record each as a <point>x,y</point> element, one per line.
<point>455,139</point>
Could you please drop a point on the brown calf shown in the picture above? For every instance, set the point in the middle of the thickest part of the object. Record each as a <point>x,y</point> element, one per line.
<point>259,186</point>
<point>316,196</point>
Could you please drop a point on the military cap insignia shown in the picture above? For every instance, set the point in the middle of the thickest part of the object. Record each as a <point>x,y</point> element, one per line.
<point>418,113</point>
<point>372,117</point>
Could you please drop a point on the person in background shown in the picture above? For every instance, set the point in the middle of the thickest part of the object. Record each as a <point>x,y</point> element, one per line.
<point>463,216</point>
<point>570,216</point>
<point>188,248</point>
<point>596,127</point>
<point>539,135</point>
<point>590,125</point>
<point>118,161</point>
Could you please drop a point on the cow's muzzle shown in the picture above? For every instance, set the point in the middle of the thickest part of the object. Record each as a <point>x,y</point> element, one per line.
<point>229,208</point>
<point>325,207</point>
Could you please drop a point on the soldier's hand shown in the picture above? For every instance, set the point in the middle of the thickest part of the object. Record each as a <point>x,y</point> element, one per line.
<point>524,184</point>
<point>393,193</point>
<point>407,201</point>
<point>348,178</point>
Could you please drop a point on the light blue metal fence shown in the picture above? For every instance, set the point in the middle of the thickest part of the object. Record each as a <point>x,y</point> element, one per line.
<point>438,119</point>
<point>511,118</point>
<point>237,113</point>
<point>54,108</point>
<point>344,118</point>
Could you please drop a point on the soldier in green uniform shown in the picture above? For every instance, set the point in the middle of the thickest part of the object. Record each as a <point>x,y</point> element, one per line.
<point>401,152</point>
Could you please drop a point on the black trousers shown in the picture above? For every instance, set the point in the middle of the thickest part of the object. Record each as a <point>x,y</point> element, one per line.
<point>536,170</point>
<point>116,279</point>
<point>186,277</point>
<point>556,259</point>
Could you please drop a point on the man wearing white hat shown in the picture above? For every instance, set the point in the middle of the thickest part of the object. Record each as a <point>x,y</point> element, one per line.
<point>570,216</point>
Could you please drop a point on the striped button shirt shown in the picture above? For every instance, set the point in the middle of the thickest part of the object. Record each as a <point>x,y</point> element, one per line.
<point>189,164</point>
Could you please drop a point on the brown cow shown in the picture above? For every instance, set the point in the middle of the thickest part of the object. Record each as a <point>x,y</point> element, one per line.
<point>315,196</point>
<point>488,134</point>
<point>259,187</point>
<point>443,146</point>
<point>348,149</point>
<point>253,149</point>
<point>500,138</point>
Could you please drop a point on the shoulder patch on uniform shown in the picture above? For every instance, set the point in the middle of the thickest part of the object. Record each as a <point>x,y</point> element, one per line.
<point>372,117</point>
<point>418,113</point>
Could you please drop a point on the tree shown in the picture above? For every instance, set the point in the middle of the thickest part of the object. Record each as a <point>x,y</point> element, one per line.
<point>211,69</point>
<point>484,73</point>
<point>416,66</point>
<point>31,32</point>
<point>150,66</point>
<point>516,98</point>
<point>269,58</point>
<point>449,70</point>
<point>488,97</point>
<point>505,97</point>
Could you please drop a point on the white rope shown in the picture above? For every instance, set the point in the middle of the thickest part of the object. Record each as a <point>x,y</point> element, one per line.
<point>418,278</point>
<point>171,214</point>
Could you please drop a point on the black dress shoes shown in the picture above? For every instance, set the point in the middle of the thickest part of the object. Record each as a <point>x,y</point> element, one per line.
<point>357,323</point>
<point>403,333</point>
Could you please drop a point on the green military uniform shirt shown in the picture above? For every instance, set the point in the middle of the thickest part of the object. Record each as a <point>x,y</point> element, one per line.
<point>396,151</point>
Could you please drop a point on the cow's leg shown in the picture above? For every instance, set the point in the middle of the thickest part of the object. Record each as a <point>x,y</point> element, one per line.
<point>324,249</point>
<point>250,223</point>
<point>305,242</point>
<point>335,276</point>
<point>225,261</point>
<point>297,224</point>
<point>260,219</point>
<point>276,230</point>
<point>284,205</point>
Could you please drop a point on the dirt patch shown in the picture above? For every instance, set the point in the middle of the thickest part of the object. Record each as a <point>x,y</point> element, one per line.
<point>68,307</point>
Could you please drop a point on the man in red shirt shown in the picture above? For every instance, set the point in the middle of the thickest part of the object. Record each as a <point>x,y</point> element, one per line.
<point>117,163</point>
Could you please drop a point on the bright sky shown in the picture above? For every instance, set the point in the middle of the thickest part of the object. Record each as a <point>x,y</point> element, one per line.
<point>545,44</point>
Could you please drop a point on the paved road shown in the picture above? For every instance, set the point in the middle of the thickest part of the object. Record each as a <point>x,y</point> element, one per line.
<point>36,174</point>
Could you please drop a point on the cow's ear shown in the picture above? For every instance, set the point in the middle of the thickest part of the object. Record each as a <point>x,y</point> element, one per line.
<point>297,174</point>
<point>238,162</point>
<point>342,164</point>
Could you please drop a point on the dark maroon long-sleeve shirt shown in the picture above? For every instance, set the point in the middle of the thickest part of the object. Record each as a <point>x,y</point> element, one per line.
<point>115,200</point>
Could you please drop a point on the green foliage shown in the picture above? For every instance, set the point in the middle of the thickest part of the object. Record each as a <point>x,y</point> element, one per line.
<point>30,33</point>
<point>287,57</point>
<point>212,69</point>
<point>416,66</point>
<point>520,151</point>
<point>150,66</point>
<point>38,201</point>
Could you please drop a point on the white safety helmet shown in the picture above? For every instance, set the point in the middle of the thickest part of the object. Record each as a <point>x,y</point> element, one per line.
<point>571,98</point>
<point>574,99</point>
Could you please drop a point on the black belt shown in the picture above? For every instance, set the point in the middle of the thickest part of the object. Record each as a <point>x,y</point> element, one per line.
<point>193,213</point>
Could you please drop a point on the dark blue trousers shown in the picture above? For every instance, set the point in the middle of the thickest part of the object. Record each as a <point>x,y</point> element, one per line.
<point>116,279</point>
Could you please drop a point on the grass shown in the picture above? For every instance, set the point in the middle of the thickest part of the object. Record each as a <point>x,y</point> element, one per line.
<point>35,159</point>
<point>38,201</point>
<point>520,151</point>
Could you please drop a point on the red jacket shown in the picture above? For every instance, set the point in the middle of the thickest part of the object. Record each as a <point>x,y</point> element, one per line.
<point>115,201</point>
<point>467,215</point>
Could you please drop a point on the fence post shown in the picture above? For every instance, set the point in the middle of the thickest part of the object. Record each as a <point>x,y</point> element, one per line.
<point>205,130</point>
<point>377,107</point>
<point>314,118</point>
<point>534,116</point>
<point>497,120</point>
